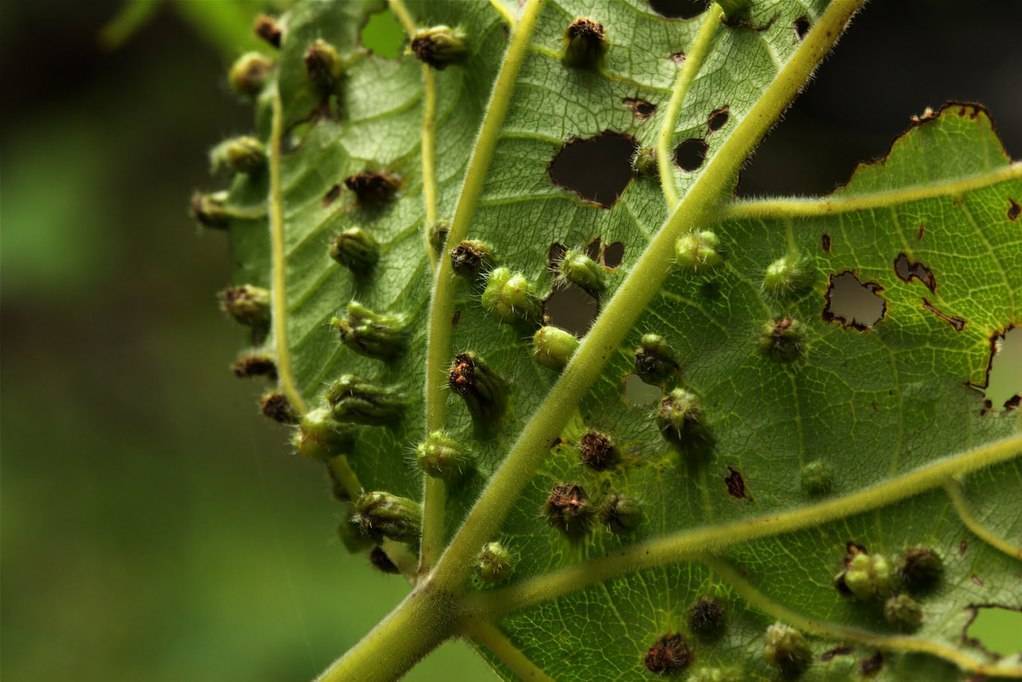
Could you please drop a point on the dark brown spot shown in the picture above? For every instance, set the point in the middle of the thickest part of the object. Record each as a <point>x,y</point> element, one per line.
<point>736,484</point>
<point>921,232</point>
<point>554,255</point>
<point>831,654</point>
<point>597,168</point>
<point>853,303</point>
<point>690,153</point>
<point>379,559</point>
<point>957,323</point>
<point>871,665</point>
<point>825,242</point>
<point>568,509</point>
<point>641,109</point>
<point>988,405</point>
<point>470,259</point>
<point>593,249</point>
<point>1013,402</point>
<point>372,187</point>
<point>597,451</point>
<point>907,270</point>
<point>678,57</point>
<point>276,407</point>
<point>254,365</point>
<point>976,580</point>
<point>718,118</point>
<point>1014,210</point>
<point>706,618</point>
<point>267,28</point>
<point>614,254</point>
<point>669,655</point>
<point>801,27</point>
<point>963,546</point>
<point>571,308</point>
<point>331,195</point>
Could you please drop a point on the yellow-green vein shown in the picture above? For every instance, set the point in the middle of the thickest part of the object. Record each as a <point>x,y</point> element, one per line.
<point>486,634</point>
<point>957,494</point>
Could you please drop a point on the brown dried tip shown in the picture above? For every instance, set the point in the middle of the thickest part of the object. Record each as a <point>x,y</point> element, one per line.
<point>267,28</point>
<point>372,187</point>
<point>254,365</point>
<point>568,509</point>
<point>379,559</point>
<point>597,451</point>
<point>669,655</point>
<point>277,407</point>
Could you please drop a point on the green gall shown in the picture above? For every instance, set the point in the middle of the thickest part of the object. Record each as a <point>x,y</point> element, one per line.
<point>509,297</point>
<point>494,564</point>
<point>782,340</point>
<point>578,268</point>
<point>787,275</point>
<point>438,235</point>
<point>786,648</point>
<point>585,43</point>
<point>324,66</point>
<point>353,540</point>
<point>380,515</point>
<point>321,437</point>
<point>669,655</point>
<point>249,74</point>
<point>356,250</point>
<point>439,46</point>
<point>920,569</point>
<point>441,456</point>
<point>903,612</point>
<point>866,576</point>
<point>484,392</point>
<point>568,509</point>
<point>644,161</point>
<point>247,304</point>
<point>552,347</point>
<point>376,335</point>
<point>680,420</point>
<point>269,29</point>
<point>707,619</point>
<point>373,188</point>
<point>244,154</point>
<point>471,258</point>
<point>353,399</point>
<point>620,513</point>
<point>210,210</point>
<point>817,478</point>
<point>654,360</point>
<point>277,407</point>
<point>698,251</point>
<point>597,451</point>
<point>251,365</point>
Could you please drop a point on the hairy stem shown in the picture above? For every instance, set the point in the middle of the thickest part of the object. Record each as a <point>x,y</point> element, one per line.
<point>488,635</point>
<point>645,278</point>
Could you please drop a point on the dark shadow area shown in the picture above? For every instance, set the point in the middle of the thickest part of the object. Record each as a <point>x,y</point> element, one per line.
<point>596,168</point>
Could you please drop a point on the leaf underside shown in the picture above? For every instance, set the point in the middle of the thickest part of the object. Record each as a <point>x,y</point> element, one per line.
<point>873,401</point>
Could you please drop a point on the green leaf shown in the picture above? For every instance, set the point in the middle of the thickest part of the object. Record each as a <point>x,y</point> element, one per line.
<point>845,339</point>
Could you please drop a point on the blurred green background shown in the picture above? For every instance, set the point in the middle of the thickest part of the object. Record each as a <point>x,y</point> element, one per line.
<point>154,526</point>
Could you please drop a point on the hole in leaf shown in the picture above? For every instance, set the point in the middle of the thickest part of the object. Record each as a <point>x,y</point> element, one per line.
<point>907,270</point>
<point>736,484</point>
<point>571,308</point>
<point>593,249</point>
<point>1014,210</point>
<point>638,393</point>
<point>614,254</point>
<point>641,109</point>
<point>802,27</point>
<point>383,36</point>
<point>691,153</point>
<point>678,9</point>
<point>596,168</point>
<point>996,629</point>
<point>555,254</point>
<point>718,118</point>
<point>853,303</point>
<point>1004,373</point>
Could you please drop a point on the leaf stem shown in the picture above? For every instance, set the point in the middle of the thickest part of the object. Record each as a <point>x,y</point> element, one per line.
<point>488,635</point>
<point>832,205</point>
<point>698,207</point>
<point>689,543</point>
<point>693,62</point>
<point>954,491</point>
<point>438,351</point>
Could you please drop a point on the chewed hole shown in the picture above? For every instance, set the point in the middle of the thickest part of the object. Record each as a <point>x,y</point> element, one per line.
<point>641,109</point>
<point>996,629</point>
<point>854,303</point>
<point>691,153</point>
<point>638,393</point>
<point>906,269</point>
<point>718,118</point>
<point>596,168</point>
<point>383,36</point>
<point>614,254</point>
<point>571,308</point>
<point>678,9</point>
<point>593,249</point>
<point>802,27</point>
<point>1004,380</point>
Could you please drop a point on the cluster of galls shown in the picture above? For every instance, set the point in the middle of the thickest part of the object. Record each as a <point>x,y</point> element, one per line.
<point>873,579</point>
<point>674,652</point>
<point>569,510</point>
